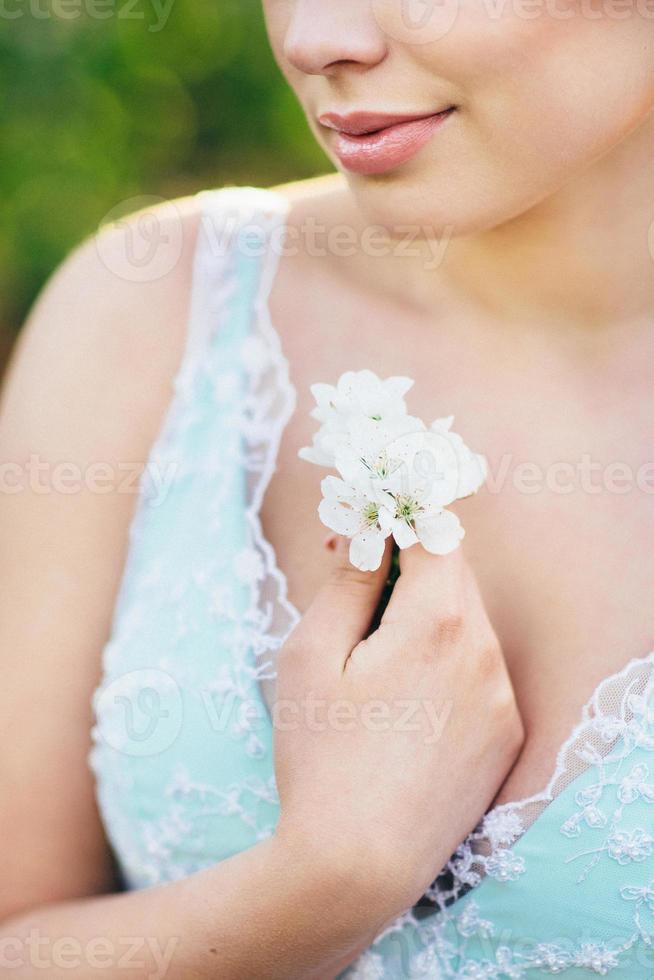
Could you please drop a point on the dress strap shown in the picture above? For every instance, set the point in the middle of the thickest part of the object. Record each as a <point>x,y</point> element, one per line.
<point>234,351</point>
<point>239,242</point>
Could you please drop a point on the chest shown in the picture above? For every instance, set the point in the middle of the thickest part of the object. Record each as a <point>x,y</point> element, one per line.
<point>562,536</point>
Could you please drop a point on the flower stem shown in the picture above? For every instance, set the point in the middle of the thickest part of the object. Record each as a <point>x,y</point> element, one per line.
<point>393,575</point>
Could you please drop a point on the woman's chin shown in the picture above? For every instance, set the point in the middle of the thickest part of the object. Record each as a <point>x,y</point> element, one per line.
<point>425,206</point>
<point>432,203</point>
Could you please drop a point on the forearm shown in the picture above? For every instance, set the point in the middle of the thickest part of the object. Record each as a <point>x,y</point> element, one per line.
<point>263,913</point>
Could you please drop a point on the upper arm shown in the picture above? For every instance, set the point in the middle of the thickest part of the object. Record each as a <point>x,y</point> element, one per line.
<point>88,384</point>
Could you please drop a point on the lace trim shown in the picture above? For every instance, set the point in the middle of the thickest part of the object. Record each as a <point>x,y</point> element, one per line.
<point>236,224</point>
<point>270,403</point>
<point>248,224</point>
<point>616,714</point>
<point>608,833</point>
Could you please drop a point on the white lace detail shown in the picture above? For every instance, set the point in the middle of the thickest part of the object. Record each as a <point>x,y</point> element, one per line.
<point>167,808</point>
<point>267,404</point>
<point>231,401</point>
<point>270,402</point>
<point>608,813</point>
<point>617,712</point>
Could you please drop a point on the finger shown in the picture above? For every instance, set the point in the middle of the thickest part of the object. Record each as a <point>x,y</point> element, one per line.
<point>477,615</point>
<point>342,611</point>
<point>430,588</point>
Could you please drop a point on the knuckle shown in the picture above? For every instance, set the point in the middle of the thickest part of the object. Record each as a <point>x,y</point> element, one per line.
<point>449,628</point>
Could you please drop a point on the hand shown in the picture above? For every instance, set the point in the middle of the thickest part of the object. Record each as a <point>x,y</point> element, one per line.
<point>388,750</point>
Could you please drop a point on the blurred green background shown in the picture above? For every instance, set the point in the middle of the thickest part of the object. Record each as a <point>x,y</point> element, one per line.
<point>103,100</point>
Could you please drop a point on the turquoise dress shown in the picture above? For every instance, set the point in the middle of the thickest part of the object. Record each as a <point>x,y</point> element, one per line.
<point>559,883</point>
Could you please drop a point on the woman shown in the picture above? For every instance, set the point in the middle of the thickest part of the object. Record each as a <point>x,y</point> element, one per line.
<point>487,235</point>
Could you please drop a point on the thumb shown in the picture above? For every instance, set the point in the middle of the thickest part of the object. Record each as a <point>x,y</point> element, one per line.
<point>343,609</point>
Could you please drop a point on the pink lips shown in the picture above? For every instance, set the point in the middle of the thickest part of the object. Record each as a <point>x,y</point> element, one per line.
<point>373,143</point>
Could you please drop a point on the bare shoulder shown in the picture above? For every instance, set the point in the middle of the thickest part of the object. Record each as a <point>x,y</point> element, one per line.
<point>110,325</point>
<point>108,328</point>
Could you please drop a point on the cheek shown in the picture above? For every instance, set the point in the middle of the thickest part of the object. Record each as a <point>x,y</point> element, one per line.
<point>550,91</point>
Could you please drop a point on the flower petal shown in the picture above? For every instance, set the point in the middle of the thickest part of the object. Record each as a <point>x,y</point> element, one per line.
<point>367,549</point>
<point>441,533</point>
<point>324,394</point>
<point>338,518</point>
<point>404,534</point>
<point>313,454</point>
<point>335,489</point>
<point>386,512</point>
<point>398,386</point>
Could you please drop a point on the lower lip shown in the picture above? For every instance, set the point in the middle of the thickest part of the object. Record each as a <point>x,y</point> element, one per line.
<point>376,153</point>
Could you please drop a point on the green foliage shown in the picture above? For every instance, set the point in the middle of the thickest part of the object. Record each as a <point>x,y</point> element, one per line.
<point>103,100</point>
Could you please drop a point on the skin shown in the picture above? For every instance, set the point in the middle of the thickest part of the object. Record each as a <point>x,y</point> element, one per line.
<point>533,330</point>
<point>255,914</point>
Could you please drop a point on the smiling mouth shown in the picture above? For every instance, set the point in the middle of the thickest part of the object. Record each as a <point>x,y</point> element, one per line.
<point>368,123</point>
<point>373,143</point>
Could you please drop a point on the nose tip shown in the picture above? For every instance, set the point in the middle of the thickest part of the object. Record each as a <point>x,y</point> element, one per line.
<point>320,38</point>
<point>320,62</point>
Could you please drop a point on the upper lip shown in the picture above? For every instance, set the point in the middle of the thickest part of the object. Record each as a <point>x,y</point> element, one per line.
<point>358,123</point>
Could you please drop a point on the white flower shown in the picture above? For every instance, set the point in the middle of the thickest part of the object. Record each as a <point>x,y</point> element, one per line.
<point>374,448</point>
<point>422,480</point>
<point>357,395</point>
<point>396,476</point>
<point>472,468</point>
<point>351,512</point>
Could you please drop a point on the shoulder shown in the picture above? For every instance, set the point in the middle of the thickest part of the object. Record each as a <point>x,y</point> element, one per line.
<point>110,326</point>
<point>107,329</point>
